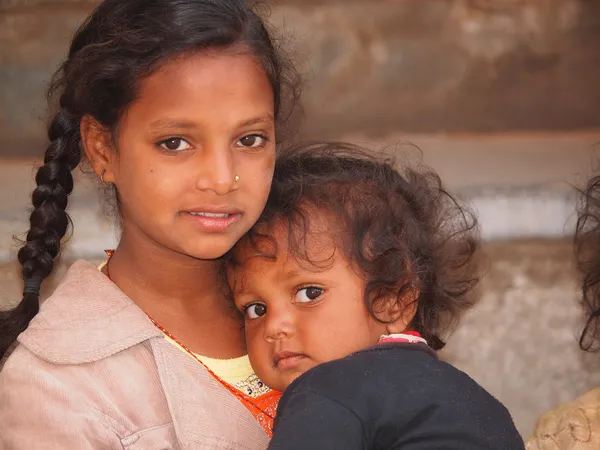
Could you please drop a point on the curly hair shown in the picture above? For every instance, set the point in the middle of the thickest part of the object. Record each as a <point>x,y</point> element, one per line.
<point>404,233</point>
<point>120,44</point>
<point>587,252</point>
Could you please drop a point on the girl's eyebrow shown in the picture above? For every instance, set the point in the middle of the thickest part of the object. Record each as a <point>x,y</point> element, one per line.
<point>172,124</point>
<point>268,119</point>
<point>188,124</point>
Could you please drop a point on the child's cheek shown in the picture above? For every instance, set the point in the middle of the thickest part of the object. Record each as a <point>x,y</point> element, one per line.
<point>258,351</point>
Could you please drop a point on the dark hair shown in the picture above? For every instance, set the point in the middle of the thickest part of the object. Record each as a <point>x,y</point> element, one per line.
<point>119,44</point>
<point>587,251</point>
<point>404,232</point>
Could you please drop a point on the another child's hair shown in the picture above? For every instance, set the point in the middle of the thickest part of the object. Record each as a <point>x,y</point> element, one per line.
<point>121,43</point>
<point>403,232</point>
<point>587,251</point>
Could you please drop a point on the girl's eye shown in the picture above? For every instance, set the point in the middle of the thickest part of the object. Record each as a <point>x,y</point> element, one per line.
<point>174,144</point>
<point>255,310</point>
<point>308,294</point>
<point>252,141</point>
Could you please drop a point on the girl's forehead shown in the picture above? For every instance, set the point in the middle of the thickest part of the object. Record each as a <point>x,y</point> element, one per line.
<point>227,85</point>
<point>209,65</point>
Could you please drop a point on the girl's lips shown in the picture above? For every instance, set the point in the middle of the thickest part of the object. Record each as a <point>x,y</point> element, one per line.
<point>213,222</point>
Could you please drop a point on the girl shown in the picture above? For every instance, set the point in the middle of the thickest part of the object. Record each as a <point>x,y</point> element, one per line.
<point>576,425</point>
<point>174,103</point>
<point>348,282</point>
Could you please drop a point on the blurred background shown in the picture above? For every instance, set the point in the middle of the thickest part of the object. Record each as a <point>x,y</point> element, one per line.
<point>501,97</point>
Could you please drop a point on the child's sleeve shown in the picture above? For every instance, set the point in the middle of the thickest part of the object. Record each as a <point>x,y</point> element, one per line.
<point>310,420</point>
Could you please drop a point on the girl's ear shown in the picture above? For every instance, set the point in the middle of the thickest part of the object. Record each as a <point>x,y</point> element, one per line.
<point>97,144</point>
<point>400,311</point>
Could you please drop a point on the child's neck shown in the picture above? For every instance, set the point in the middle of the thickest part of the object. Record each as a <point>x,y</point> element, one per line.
<point>185,295</point>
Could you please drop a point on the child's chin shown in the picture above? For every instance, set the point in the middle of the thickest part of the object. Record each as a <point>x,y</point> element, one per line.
<point>281,382</point>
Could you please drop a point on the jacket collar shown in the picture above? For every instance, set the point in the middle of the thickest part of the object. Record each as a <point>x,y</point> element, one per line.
<point>86,319</point>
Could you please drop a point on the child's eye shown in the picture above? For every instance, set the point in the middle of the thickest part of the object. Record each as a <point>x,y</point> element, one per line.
<point>174,144</point>
<point>308,294</point>
<point>255,310</point>
<point>252,141</point>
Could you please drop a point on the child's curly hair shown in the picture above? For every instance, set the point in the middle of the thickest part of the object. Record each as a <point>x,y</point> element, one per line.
<point>405,234</point>
<point>587,252</point>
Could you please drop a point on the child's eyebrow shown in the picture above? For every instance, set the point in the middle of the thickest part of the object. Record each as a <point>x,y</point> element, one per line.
<point>299,274</point>
<point>239,287</point>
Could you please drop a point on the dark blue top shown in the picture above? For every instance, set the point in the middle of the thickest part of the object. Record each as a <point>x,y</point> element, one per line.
<point>391,396</point>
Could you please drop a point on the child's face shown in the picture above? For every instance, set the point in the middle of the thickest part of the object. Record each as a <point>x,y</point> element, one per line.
<point>297,318</point>
<point>198,123</point>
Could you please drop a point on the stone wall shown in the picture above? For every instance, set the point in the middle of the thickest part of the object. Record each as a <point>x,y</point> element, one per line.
<point>373,66</point>
<point>521,340</point>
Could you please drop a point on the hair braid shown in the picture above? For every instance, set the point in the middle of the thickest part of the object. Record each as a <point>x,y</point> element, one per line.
<point>48,221</point>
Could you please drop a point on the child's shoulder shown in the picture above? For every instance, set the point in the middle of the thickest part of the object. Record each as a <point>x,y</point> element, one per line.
<point>398,377</point>
<point>389,386</point>
<point>386,366</point>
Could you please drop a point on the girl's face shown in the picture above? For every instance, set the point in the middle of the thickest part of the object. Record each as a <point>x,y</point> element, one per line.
<point>298,317</point>
<point>195,154</point>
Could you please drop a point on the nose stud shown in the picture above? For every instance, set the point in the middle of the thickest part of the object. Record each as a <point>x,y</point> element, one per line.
<point>236,178</point>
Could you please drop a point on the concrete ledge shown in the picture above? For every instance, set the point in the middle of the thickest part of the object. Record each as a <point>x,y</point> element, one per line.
<point>535,212</point>
<point>524,213</point>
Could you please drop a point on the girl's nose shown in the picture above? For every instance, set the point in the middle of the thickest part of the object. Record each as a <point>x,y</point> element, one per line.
<point>217,170</point>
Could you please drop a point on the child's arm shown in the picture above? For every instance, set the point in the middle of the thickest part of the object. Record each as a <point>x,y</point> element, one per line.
<point>310,420</point>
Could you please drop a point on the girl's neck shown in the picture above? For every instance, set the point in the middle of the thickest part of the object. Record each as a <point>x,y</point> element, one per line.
<point>187,296</point>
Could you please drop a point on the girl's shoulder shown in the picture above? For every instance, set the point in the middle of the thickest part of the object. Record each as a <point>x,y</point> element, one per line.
<point>64,376</point>
<point>86,319</point>
<point>574,425</point>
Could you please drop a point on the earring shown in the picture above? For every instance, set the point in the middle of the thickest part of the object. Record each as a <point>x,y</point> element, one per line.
<point>102,176</point>
<point>236,178</point>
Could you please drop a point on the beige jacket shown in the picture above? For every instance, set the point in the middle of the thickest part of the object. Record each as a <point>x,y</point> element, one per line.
<point>92,372</point>
<point>573,426</point>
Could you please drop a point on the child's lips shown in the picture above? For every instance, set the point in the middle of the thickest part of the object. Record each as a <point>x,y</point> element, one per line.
<point>287,360</point>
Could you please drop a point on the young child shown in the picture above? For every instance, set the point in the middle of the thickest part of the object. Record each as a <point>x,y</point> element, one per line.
<point>348,283</point>
<point>176,106</point>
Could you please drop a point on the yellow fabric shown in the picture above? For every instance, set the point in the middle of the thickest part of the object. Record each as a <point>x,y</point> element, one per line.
<point>232,371</point>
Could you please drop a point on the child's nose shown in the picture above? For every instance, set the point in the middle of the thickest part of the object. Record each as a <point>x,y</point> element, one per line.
<point>280,324</point>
